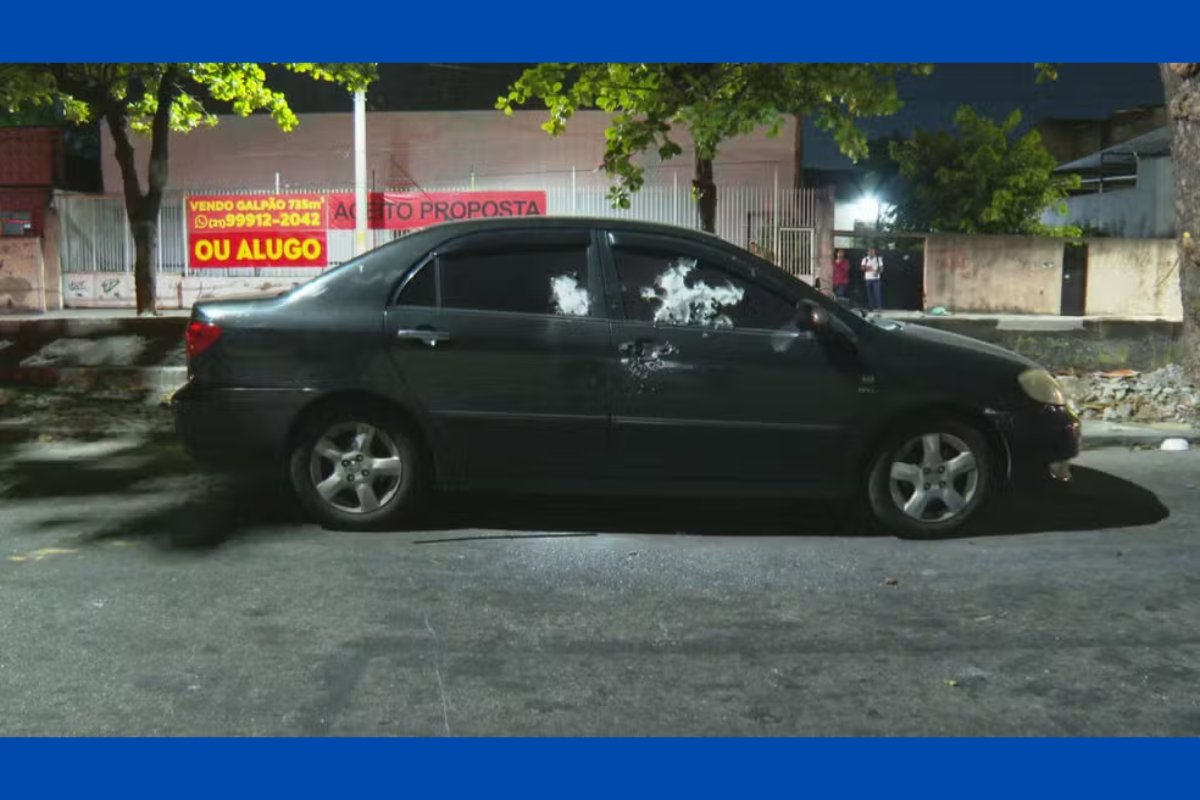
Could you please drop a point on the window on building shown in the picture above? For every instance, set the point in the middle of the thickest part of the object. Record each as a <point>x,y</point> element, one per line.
<point>16,223</point>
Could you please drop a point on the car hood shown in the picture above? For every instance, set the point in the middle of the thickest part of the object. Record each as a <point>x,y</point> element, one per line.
<point>926,337</point>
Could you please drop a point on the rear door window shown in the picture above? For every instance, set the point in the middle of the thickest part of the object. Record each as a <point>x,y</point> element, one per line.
<point>525,280</point>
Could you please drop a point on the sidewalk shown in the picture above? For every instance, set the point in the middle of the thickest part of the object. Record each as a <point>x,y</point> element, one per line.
<point>1097,434</point>
<point>90,314</point>
<point>1036,321</point>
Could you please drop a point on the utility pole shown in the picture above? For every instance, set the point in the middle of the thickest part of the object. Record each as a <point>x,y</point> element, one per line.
<point>360,172</point>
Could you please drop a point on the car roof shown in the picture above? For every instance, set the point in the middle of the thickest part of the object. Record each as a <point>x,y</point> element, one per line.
<point>532,222</point>
<point>357,277</point>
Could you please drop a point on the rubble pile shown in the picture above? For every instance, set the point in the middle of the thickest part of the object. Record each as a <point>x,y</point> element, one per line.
<point>1163,395</point>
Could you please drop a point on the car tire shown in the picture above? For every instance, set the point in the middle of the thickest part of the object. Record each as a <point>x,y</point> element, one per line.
<point>356,468</point>
<point>931,479</point>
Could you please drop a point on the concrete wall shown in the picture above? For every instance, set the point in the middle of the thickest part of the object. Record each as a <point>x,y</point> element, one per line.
<point>52,263</point>
<point>1133,277</point>
<point>432,148</point>
<point>1075,344</point>
<point>116,290</point>
<point>1002,274</point>
<point>22,275</point>
<point>1146,210</point>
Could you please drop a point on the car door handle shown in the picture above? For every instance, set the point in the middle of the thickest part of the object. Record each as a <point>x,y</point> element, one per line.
<point>427,336</point>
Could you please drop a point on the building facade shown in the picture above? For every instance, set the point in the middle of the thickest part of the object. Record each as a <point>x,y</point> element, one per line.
<point>1127,190</point>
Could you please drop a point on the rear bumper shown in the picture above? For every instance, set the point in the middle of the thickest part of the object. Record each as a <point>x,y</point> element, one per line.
<point>231,427</point>
<point>1040,443</point>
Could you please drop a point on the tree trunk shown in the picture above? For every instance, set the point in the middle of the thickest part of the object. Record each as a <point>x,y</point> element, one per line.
<point>798,155</point>
<point>706,194</point>
<point>142,209</point>
<point>142,227</point>
<point>1182,85</point>
<point>145,240</point>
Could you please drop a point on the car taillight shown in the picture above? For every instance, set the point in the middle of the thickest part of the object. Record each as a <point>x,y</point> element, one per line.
<point>200,336</point>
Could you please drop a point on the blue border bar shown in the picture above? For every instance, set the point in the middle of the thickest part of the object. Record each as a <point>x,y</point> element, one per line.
<point>611,30</point>
<point>603,768</point>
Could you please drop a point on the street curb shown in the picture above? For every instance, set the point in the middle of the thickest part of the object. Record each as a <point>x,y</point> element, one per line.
<point>57,327</point>
<point>1149,439</point>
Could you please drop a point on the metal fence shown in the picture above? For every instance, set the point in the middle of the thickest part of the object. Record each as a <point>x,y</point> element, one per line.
<point>94,231</point>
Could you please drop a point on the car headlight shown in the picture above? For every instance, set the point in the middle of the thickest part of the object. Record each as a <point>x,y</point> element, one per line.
<point>1041,386</point>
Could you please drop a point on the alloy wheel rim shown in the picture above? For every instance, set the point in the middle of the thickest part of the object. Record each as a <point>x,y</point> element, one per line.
<point>934,477</point>
<point>356,467</point>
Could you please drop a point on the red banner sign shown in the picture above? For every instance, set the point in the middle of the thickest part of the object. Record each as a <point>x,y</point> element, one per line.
<point>257,230</point>
<point>302,249</point>
<point>396,211</point>
<point>290,230</point>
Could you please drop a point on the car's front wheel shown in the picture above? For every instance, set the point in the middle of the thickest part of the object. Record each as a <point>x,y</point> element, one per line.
<point>931,479</point>
<point>354,469</point>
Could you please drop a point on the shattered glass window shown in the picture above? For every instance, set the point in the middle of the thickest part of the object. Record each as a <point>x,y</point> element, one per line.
<point>569,295</point>
<point>530,281</point>
<point>670,289</point>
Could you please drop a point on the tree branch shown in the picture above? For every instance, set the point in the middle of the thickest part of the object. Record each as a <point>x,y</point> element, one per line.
<point>89,93</point>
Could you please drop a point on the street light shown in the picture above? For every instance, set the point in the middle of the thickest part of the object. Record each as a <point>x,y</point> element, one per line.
<point>866,209</point>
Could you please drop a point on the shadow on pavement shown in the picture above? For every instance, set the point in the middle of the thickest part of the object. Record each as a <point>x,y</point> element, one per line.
<point>217,509</point>
<point>1091,501</point>
<point>44,466</point>
<point>228,509</point>
<point>190,509</point>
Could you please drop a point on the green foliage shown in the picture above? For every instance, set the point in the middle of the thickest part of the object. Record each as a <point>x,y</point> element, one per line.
<point>982,179</point>
<point>86,92</point>
<point>155,99</point>
<point>38,115</point>
<point>1046,72</point>
<point>650,103</point>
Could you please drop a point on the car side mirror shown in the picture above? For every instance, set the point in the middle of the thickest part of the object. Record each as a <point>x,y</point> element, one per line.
<point>811,317</point>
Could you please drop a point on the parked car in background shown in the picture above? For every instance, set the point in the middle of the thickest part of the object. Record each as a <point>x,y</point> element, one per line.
<point>594,355</point>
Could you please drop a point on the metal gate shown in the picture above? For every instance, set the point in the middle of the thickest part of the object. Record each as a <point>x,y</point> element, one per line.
<point>796,251</point>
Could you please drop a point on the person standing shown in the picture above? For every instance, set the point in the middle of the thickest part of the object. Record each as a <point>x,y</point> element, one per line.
<point>872,269</point>
<point>841,276</point>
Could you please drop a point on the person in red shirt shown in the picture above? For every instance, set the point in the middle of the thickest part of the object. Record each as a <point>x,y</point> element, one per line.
<point>841,276</point>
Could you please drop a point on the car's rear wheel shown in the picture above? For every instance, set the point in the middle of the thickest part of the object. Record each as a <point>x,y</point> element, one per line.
<point>931,479</point>
<point>354,469</point>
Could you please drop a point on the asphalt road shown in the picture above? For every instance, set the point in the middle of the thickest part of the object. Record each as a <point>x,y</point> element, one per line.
<point>139,598</point>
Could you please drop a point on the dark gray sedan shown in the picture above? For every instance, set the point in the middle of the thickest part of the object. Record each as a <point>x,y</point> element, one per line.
<point>588,355</point>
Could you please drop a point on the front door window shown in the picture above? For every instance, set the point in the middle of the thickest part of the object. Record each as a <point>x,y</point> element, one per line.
<point>670,289</point>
